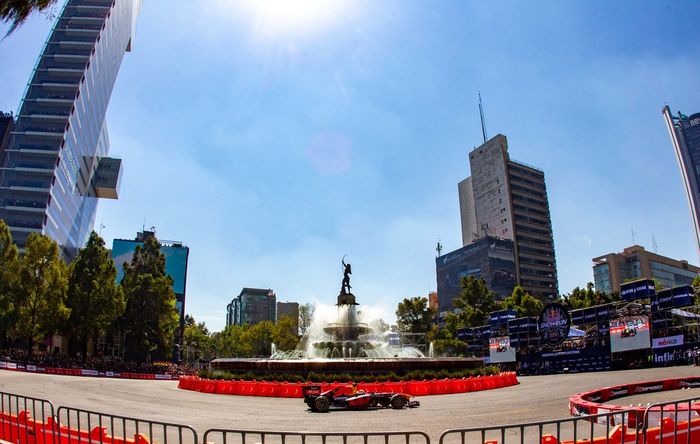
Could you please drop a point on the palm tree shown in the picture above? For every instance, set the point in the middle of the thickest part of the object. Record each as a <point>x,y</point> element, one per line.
<point>16,12</point>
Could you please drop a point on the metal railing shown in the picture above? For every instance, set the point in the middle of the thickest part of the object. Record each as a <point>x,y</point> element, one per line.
<point>265,437</point>
<point>15,410</point>
<point>681,412</point>
<point>567,429</point>
<point>104,428</point>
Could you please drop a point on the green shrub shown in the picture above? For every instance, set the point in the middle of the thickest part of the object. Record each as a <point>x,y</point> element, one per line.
<point>314,377</point>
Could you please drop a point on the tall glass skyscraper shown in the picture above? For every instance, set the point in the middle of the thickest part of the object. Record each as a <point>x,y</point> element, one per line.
<point>685,136</point>
<point>55,166</point>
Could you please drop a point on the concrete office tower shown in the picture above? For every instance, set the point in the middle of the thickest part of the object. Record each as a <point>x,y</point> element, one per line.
<point>506,199</point>
<point>251,306</point>
<point>613,269</point>
<point>56,166</point>
<point>685,136</point>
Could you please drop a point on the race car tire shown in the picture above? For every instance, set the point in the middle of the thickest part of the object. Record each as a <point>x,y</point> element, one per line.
<point>322,404</point>
<point>398,402</point>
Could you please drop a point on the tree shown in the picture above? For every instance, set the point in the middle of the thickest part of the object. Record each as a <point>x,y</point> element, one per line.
<point>9,267</point>
<point>306,315</point>
<point>94,298</point>
<point>523,303</point>
<point>696,289</point>
<point>229,343</point>
<point>150,317</point>
<point>285,334</point>
<point>41,292</point>
<point>475,302</point>
<point>16,12</point>
<point>258,339</point>
<point>380,326</point>
<point>414,315</point>
<point>196,338</point>
<point>587,297</point>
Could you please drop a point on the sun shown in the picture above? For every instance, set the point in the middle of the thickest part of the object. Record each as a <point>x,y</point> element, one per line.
<point>303,16</point>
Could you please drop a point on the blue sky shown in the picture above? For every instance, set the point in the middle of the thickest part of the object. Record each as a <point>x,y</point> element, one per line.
<point>273,143</point>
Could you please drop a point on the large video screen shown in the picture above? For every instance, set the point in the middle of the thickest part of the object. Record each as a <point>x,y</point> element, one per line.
<point>500,350</point>
<point>629,333</point>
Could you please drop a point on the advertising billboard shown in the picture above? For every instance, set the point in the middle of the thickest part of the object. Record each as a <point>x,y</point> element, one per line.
<point>629,333</point>
<point>554,324</point>
<point>680,296</point>
<point>642,289</point>
<point>668,341</point>
<point>502,317</point>
<point>500,350</point>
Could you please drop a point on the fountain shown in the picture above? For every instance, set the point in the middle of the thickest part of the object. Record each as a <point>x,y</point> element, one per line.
<point>344,345</point>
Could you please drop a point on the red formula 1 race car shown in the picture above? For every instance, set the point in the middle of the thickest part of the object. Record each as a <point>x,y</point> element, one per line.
<point>347,397</point>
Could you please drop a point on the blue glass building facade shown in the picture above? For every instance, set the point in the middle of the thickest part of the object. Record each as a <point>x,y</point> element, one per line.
<point>48,180</point>
<point>685,136</point>
<point>176,260</point>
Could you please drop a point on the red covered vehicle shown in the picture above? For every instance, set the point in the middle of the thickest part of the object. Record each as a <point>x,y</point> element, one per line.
<point>347,397</point>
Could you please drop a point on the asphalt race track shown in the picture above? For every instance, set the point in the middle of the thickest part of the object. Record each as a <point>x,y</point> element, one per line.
<point>535,398</point>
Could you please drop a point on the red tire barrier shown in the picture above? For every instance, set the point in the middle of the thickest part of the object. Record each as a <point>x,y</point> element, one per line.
<point>294,389</point>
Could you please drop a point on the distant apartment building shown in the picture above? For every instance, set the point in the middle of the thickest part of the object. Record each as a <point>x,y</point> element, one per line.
<point>251,306</point>
<point>289,309</point>
<point>489,258</point>
<point>433,301</point>
<point>685,137</point>
<point>176,260</point>
<point>505,199</point>
<point>613,269</point>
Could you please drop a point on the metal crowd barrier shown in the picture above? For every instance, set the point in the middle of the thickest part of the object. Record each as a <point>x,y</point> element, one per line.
<point>105,428</point>
<point>15,410</point>
<point>27,420</point>
<point>574,429</point>
<point>681,418</point>
<point>223,436</point>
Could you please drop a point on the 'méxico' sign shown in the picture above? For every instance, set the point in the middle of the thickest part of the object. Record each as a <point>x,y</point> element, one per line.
<point>668,341</point>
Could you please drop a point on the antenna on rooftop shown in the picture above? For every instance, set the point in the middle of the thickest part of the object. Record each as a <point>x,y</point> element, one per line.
<point>634,242</point>
<point>439,249</point>
<point>483,120</point>
<point>654,246</point>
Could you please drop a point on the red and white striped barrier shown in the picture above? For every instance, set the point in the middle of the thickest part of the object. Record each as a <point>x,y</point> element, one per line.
<point>595,401</point>
<point>12,366</point>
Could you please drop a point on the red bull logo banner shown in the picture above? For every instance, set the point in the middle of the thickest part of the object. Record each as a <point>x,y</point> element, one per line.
<point>554,324</point>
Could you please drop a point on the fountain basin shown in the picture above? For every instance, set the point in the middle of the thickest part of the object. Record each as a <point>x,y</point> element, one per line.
<point>354,366</point>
